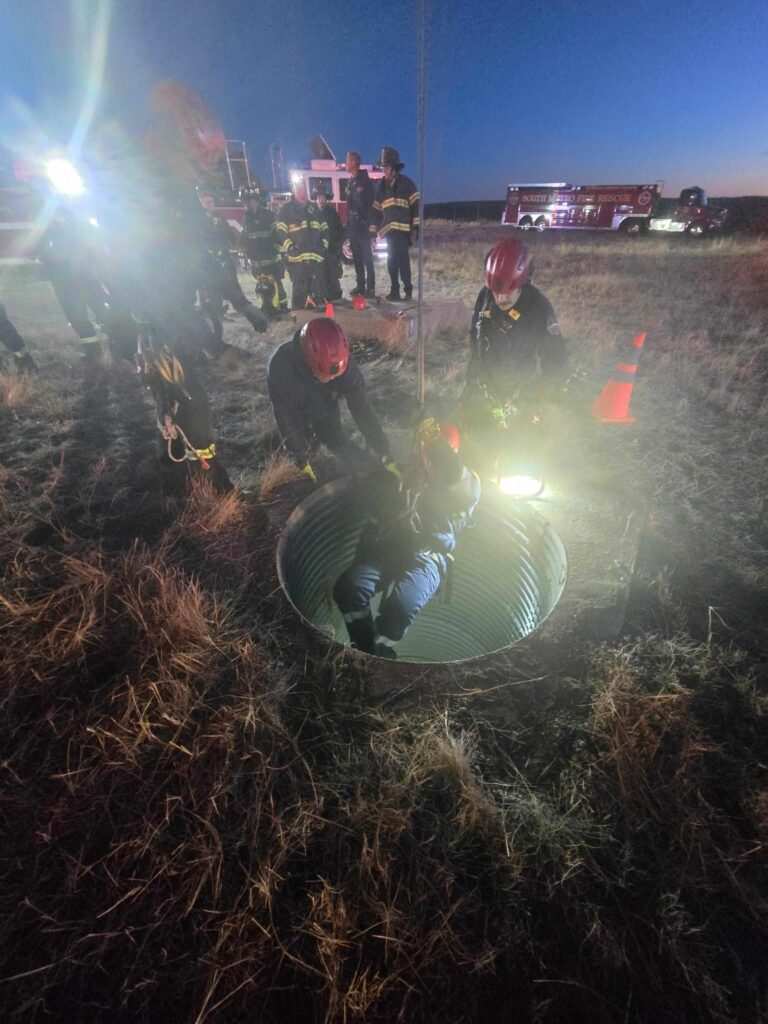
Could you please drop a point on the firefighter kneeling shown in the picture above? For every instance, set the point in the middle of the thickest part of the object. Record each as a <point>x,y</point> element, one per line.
<point>406,547</point>
<point>306,379</point>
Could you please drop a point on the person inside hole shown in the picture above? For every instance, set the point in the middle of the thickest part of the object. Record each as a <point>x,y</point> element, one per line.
<point>306,378</point>
<point>407,545</point>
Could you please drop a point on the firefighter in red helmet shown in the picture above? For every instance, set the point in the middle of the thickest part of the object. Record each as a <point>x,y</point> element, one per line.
<point>514,338</point>
<point>306,378</point>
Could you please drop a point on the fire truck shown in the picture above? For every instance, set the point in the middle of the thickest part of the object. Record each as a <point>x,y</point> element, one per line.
<point>691,214</point>
<point>543,205</point>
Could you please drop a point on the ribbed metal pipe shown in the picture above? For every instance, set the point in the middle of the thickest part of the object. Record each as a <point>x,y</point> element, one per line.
<point>509,574</point>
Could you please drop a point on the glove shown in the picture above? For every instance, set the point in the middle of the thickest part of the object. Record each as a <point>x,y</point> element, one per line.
<point>392,467</point>
<point>309,472</point>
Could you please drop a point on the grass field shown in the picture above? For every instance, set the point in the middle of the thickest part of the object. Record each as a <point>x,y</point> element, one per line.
<point>206,819</point>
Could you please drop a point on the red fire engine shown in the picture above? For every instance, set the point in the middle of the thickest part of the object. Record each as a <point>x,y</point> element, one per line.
<point>559,205</point>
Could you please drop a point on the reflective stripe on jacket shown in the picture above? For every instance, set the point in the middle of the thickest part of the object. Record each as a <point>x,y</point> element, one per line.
<point>397,206</point>
<point>302,232</point>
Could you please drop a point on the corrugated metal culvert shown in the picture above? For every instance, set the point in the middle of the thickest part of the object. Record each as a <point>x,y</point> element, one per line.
<point>509,573</point>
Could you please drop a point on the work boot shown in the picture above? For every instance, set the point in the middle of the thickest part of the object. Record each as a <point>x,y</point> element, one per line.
<point>394,296</point>
<point>24,362</point>
<point>408,295</point>
<point>370,293</point>
<point>383,650</point>
<point>362,635</point>
<point>255,318</point>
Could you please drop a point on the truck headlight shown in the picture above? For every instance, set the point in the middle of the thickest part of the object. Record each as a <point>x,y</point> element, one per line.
<point>64,177</point>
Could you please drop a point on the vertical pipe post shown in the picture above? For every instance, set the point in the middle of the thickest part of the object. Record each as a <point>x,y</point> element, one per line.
<point>421,113</point>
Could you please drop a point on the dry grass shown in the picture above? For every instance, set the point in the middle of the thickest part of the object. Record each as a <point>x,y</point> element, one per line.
<point>279,471</point>
<point>197,826</point>
<point>15,391</point>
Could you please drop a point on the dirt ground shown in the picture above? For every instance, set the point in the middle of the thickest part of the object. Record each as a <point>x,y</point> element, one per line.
<point>204,817</point>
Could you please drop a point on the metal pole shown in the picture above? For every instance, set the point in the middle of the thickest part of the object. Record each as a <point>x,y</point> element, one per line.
<point>421,114</point>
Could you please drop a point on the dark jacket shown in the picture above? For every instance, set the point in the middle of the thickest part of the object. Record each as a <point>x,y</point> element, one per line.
<point>359,201</point>
<point>509,348</point>
<point>9,336</point>
<point>302,232</point>
<point>408,523</point>
<point>300,401</point>
<point>335,229</point>
<point>396,207</point>
<point>259,239</point>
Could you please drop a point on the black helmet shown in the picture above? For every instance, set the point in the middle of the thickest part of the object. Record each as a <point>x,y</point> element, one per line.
<point>390,158</point>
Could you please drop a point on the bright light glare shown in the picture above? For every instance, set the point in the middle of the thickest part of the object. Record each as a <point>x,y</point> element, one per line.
<point>64,177</point>
<point>521,486</point>
<point>296,177</point>
<point>93,221</point>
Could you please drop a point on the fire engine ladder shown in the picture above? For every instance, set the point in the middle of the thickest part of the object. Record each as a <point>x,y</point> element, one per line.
<point>238,169</point>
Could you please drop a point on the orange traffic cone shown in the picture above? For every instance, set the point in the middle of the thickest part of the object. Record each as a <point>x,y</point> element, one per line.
<point>612,404</point>
<point>359,303</point>
<point>329,310</point>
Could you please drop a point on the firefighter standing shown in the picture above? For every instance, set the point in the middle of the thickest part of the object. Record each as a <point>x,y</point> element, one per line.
<point>15,344</point>
<point>515,339</point>
<point>359,206</point>
<point>303,241</point>
<point>396,213</point>
<point>261,248</point>
<point>406,546</point>
<point>306,379</point>
<point>335,231</point>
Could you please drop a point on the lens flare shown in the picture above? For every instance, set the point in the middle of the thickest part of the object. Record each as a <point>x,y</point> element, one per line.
<point>64,177</point>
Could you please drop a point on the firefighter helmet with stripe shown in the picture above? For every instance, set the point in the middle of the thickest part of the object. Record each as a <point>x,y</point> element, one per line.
<point>507,267</point>
<point>325,348</point>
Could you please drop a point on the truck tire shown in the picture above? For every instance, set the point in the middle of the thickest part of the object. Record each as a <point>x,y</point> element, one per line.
<point>541,224</point>
<point>697,230</point>
<point>633,226</point>
<point>525,223</point>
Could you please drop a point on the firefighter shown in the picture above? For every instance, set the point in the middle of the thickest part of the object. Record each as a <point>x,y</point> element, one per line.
<point>15,344</point>
<point>306,379</point>
<point>261,248</point>
<point>359,214</point>
<point>219,282</point>
<point>70,256</point>
<point>408,543</point>
<point>515,339</point>
<point>335,232</point>
<point>303,241</point>
<point>396,218</point>
<point>167,361</point>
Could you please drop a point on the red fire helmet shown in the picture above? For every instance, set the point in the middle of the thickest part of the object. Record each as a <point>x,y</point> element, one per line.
<point>325,348</point>
<point>450,433</point>
<point>507,266</point>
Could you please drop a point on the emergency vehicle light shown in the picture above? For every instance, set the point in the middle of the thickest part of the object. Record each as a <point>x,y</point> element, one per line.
<point>64,177</point>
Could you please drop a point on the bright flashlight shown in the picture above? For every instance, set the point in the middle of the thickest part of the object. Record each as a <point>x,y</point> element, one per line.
<point>521,486</point>
<point>296,177</point>
<point>64,177</point>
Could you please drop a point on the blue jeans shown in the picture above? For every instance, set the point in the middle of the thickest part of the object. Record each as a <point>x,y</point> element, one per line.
<point>407,590</point>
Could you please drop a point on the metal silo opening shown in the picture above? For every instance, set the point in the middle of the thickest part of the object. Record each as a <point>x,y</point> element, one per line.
<point>508,576</point>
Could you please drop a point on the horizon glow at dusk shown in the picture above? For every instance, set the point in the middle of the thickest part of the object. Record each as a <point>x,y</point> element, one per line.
<point>525,92</point>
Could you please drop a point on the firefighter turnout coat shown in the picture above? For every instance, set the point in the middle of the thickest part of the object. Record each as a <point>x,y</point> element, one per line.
<point>307,410</point>
<point>511,347</point>
<point>259,239</point>
<point>396,207</point>
<point>302,233</point>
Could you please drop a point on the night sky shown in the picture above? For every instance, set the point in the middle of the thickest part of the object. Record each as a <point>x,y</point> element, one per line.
<point>582,92</point>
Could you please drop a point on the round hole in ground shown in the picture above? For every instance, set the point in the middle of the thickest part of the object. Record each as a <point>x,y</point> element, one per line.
<point>508,575</point>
